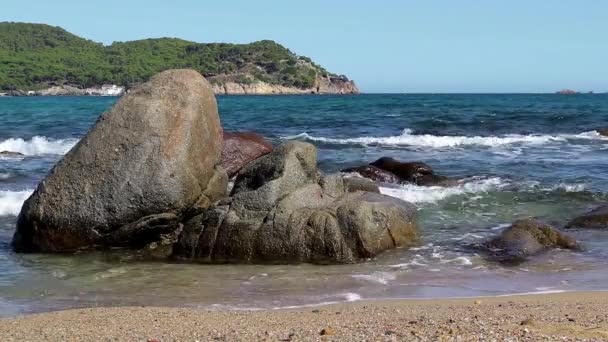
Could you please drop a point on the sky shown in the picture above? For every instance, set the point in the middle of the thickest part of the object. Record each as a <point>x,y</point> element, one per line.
<point>392,46</point>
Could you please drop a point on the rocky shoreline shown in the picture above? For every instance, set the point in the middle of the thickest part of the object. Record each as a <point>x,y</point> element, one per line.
<point>322,86</point>
<point>153,175</point>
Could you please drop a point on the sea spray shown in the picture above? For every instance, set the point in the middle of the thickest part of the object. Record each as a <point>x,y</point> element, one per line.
<point>11,201</point>
<point>431,194</point>
<point>37,145</point>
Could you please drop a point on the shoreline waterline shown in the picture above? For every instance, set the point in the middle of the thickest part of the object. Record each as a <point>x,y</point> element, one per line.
<point>572,315</point>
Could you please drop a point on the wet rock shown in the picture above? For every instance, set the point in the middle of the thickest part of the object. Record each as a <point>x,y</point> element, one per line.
<point>525,238</point>
<point>597,218</point>
<point>9,154</point>
<point>282,211</point>
<point>407,171</point>
<point>145,163</point>
<point>390,170</point>
<point>241,148</point>
<point>376,174</point>
<point>603,131</point>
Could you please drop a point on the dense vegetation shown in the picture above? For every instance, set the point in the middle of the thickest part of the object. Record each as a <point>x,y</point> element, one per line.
<point>34,56</point>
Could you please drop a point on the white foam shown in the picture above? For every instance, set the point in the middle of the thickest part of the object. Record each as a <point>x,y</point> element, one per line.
<point>417,261</point>
<point>501,226</point>
<point>406,138</point>
<point>37,146</point>
<point>431,194</point>
<point>570,187</point>
<point>376,277</point>
<point>461,260</point>
<point>351,297</point>
<point>11,201</point>
<point>5,175</point>
<point>467,236</point>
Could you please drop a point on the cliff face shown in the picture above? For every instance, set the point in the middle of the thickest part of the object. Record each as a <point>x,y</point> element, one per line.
<point>322,85</point>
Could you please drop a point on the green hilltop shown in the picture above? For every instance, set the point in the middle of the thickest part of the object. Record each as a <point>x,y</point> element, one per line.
<point>36,56</point>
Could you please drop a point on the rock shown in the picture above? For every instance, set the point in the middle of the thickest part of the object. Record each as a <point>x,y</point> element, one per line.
<point>375,174</point>
<point>241,148</point>
<point>63,90</point>
<point>282,211</point>
<point>597,218</point>
<point>389,170</point>
<point>603,131</point>
<point>526,238</point>
<point>229,85</point>
<point>407,171</point>
<point>329,331</point>
<point>336,185</point>
<point>9,154</point>
<point>567,92</point>
<point>145,164</point>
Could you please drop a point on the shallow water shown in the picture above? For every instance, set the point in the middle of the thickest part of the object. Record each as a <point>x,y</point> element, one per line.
<point>519,155</point>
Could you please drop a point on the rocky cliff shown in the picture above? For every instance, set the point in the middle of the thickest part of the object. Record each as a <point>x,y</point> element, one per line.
<point>322,85</point>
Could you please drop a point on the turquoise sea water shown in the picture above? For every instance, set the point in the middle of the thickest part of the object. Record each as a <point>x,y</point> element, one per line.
<point>520,155</point>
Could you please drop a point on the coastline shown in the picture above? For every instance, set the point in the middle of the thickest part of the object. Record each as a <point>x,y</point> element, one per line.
<point>570,316</point>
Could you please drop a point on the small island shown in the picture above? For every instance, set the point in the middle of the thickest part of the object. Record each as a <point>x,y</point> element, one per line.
<point>44,60</point>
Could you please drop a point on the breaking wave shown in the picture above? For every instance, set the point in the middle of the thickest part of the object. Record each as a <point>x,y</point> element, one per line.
<point>37,146</point>
<point>407,138</point>
<point>11,201</point>
<point>431,194</point>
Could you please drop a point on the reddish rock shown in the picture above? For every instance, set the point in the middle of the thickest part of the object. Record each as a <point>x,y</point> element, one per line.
<point>241,148</point>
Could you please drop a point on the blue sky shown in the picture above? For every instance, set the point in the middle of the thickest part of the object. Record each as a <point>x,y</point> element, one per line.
<point>384,45</point>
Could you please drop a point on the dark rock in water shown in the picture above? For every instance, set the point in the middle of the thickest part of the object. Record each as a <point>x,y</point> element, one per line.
<point>409,171</point>
<point>603,131</point>
<point>375,174</point>
<point>9,154</point>
<point>597,218</point>
<point>282,210</point>
<point>389,170</point>
<point>526,238</point>
<point>128,182</point>
<point>241,148</point>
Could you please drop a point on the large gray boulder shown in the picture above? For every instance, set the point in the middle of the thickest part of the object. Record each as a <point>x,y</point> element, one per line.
<point>282,210</point>
<point>526,238</point>
<point>596,219</point>
<point>150,159</point>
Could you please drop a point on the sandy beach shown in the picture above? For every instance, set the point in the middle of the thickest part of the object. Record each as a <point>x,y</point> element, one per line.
<point>575,316</point>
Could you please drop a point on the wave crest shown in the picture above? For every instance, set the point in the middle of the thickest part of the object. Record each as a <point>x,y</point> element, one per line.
<point>407,138</point>
<point>37,146</point>
<point>431,194</point>
<point>12,201</point>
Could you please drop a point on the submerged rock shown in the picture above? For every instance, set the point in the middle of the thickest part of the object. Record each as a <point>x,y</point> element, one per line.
<point>525,238</point>
<point>390,170</point>
<point>241,148</point>
<point>376,174</point>
<point>597,218</point>
<point>281,210</point>
<point>128,182</point>
<point>10,154</point>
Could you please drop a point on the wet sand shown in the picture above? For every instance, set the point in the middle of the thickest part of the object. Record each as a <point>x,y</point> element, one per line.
<point>574,316</point>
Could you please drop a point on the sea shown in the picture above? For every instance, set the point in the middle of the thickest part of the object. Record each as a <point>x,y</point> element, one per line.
<point>518,155</point>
